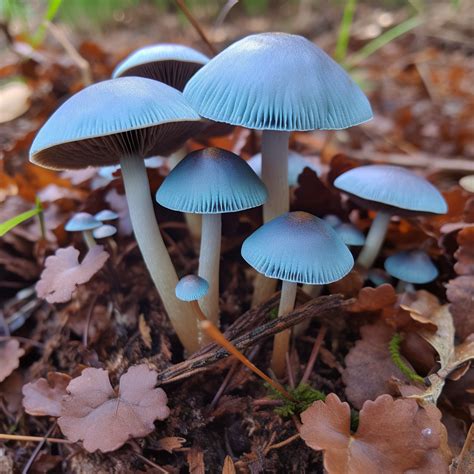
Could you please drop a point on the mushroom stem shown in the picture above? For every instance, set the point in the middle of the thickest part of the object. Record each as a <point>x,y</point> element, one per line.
<point>404,287</point>
<point>275,177</point>
<point>89,238</point>
<point>153,249</point>
<point>374,240</point>
<point>209,258</point>
<point>282,340</point>
<point>217,336</point>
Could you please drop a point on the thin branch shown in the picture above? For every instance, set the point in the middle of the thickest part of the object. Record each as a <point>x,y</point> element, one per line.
<point>34,454</point>
<point>34,439</point>
<point>191,18</point>
<point>314,354</point>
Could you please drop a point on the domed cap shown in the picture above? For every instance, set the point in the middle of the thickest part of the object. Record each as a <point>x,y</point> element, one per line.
<point>298,247</point>
<point>211,181</point>
<point>332,220</point>
<point>82,221</point>
<point>350,234</point>
<point>172,64</point>
<point>104,231</point>
<point>106,215</point>
<point>414,266</point>
<point>110,119</point>
<point>191,288</point>
<point>277,81</point>
<point>296,164</point>
<point>391,188</point>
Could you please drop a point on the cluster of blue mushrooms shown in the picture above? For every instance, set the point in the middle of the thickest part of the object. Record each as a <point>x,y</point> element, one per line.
<point>276,83</point>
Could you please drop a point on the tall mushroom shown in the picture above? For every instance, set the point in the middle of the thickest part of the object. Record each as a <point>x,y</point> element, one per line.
<point>296,247</point>
<point>211,181</point>
<point>122,121</point>
<point>277,83</point>
<point>390,190</point>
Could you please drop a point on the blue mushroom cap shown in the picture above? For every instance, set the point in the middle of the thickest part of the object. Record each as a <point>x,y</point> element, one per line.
<point>191,288</point>
<point>350,234</point>
<point>172,64</point>
<point>82,221</point>
<point>298,247</point>
<point>211,181</point>
<point>296,164</point>
<point>394,187</point>
<point>106,215</point>
<point>277,81</point>
<point>104,231</point>
<point>332,220</point>
<point>413,266</point>
<point>110,119</point>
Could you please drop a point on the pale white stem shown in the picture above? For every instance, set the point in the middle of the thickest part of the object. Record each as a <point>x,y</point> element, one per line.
<point>154,251</point>
<point>89,238</point>
<point>209,259</point>
<point>275,177</point>
<point>281,342</point>
<point>404,287</point>
<point>374,240</point>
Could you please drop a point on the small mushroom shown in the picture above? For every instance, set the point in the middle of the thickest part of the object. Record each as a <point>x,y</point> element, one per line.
<point>106,215</point>
<point>296,247</point>
<point>389,190</point>
<point>350,234</point>
<point>172,64</point>
<point>413,266</point>
<point>467,183</point>
<point>104,231</point>
<point>332,220</point>
<point>123,121</point>
<point>277,83</point>
<point>85,223</point>
<point>211,181</point>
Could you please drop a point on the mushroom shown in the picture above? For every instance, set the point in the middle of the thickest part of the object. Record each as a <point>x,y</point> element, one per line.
<point>350,234</point>
<point>106,215</point>
<point>332,220</point>
<point>122,121</point>
<point>389,190</point>
<point>172,64</point>
<point>85,223</point>
<point>210,182</point>
<point>277,83</point>
<point>192,288</point>
<point>104,231</point>
<point>296,164</point>
<point>467,183</point>
<point>413,266</point>
<point>296,247</point>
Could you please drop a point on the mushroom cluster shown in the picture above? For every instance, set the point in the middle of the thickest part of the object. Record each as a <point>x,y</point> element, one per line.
<point>275,83</point>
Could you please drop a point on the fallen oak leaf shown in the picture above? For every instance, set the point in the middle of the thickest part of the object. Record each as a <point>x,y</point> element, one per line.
<point>63,272</point>
<point>374,299</point>
<point>460,293</point>
<point>44,396</point>
<point>105,420</point>
<point>10,353</point>
<point>393,436</point>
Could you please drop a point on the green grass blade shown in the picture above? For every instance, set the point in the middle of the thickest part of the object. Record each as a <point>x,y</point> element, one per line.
<point>384,39</point>
<point>20,218</point>
<point>345,30</point>
<point>49,15</point>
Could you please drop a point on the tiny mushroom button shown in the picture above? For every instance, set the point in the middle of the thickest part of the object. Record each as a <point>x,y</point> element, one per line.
<point>414,266</point>
<point>85,223</point>
<point>296,247</point>
<point>172,64</point>
<point>389,190</point>
<point>123,121</point>
<point>210,182</point>
<point>191,288</point>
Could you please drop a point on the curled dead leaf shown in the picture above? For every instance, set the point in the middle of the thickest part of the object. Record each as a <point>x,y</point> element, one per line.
<point>10,353</point>
<point>393,436</point>
<point>44,396</point>
<point>170,443</point>
<point>374,299</point>
<point>63,272</point>
<point>103,419</point>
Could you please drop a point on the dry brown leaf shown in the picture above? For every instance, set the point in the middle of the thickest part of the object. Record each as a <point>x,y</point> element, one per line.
<point>369,367</point>
<point>195,458</point>
<point>63,272</point>
<point>374,299</point>
<point>10,353</point>
<point>393,436</point>
<point>465,253</point>
<point>103,419</point>
<point>229,467</point>
<point>170,443</point>
<point>145,331</point>
<point>460,293</point>
<point>464,463</point>
<point>44,397</point>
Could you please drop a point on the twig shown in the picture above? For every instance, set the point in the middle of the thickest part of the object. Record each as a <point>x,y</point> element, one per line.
<point>34,439</point>
<point>85,335</point>
<point>250,329</point>
<point>34,454</point>
<point>182,6</point>
<point>80,62</point>
<point>283,443</point>
<point>289,370</point>
<point>26,340</point>
<point>151,463</point>
<point>314,354</point>
<point>224,12</point>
